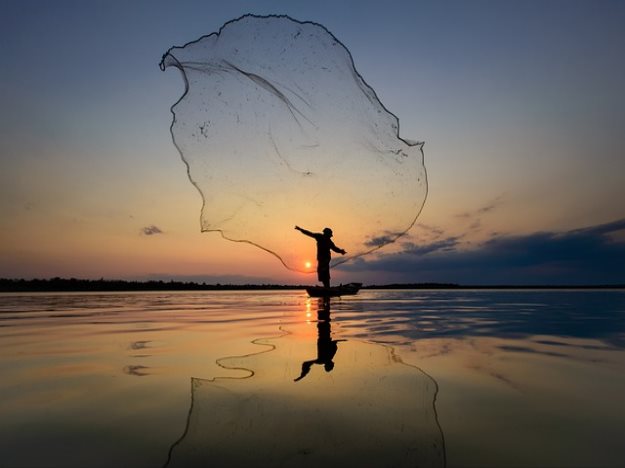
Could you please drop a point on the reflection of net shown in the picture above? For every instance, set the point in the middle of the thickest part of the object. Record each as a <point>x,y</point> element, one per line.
<point>277,128</point>
<point>371,410</point>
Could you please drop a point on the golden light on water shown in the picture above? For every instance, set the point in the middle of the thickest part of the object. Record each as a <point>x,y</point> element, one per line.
<point>308,310</point>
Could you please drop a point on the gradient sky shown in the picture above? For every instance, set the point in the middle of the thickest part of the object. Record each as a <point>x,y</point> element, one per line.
<point>521,106</point>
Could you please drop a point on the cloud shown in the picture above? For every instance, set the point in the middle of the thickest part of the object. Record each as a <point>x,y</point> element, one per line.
<point>434,230</point>
<point>151,230</point>
<point>483,209</point>
<point>602,229</point>
<point>445,245</point>
<point>383,240</point>
<point>581,256</point>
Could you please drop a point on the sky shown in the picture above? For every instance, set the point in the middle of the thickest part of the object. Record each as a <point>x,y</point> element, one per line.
<point>520,104</point>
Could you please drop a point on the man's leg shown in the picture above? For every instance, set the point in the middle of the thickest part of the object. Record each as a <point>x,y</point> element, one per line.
<point>323,273</point>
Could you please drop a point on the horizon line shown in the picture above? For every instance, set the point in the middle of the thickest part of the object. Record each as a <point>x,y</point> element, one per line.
<point>80,284</point>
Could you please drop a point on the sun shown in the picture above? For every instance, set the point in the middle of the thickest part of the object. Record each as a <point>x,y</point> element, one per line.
<point>307,264</point>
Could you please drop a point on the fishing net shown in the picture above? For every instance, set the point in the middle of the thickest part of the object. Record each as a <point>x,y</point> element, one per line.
<point>277,128</point>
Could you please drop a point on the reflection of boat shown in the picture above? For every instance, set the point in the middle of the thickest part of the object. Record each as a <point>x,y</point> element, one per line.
<point>348,289</point>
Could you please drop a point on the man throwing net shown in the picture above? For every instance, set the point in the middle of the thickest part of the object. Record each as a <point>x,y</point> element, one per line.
<point>324,245</point>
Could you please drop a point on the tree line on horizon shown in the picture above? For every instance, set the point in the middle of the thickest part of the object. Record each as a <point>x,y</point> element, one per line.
<point>76,284</point>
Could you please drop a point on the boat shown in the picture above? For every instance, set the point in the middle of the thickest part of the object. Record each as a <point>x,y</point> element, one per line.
<point>348,289</point>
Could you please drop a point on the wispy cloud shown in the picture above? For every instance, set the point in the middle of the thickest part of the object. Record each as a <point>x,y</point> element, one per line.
<point>579,256</point>
<point>496,203</point>
<point>444,245</point>
<point>384,239</point>
<point>430,230</point>
<point>151,230</point>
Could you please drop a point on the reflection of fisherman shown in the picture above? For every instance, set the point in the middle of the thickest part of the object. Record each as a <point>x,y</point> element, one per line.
<point>326,346</point>
<point>324,245</point>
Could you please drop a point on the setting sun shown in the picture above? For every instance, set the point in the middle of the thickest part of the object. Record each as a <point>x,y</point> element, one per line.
<point>307,264</point>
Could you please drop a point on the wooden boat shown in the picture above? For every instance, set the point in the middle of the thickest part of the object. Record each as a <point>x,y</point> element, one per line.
<point>348,289</point>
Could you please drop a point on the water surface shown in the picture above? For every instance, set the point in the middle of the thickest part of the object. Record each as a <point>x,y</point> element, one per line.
<point>435,378</point>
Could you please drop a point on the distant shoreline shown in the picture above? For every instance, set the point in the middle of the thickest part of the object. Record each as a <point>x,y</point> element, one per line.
<point>105,285</point>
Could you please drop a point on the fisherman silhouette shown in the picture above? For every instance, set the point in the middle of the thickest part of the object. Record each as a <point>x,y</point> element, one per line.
<point>326,346</point>
<point>324,245</point>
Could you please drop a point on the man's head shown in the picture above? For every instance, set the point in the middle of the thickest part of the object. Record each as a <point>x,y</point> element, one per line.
<point>327,232</point>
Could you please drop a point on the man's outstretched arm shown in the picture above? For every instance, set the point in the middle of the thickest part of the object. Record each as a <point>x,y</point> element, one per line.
<point>338,249</point>
<point>304,231</point>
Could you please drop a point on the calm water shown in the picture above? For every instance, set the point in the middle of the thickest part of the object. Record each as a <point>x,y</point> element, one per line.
<point>385,378</point>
